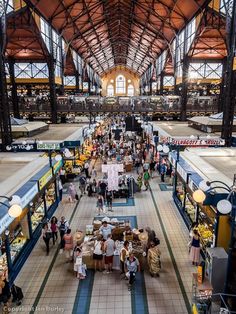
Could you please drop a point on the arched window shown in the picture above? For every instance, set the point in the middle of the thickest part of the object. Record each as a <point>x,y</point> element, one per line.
<point>120,84</point>
<point>110,90</point>
<point>130,90</point>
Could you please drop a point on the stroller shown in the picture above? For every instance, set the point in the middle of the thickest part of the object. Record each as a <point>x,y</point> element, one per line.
<point>17,294</point>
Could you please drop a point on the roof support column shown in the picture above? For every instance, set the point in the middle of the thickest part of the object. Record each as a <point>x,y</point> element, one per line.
<point>184,91</point>
<point>52,84</point>
<point>62,66</point>
<point>150,86</point>
<point>230,82</point>
<point>14,97</point>
<point>77,89</point>
<point>222,86</point>
<point>5,122</point>
<point>161,83</point>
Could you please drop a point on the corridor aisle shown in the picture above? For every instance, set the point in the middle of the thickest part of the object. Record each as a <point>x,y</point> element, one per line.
<point>49,282</point>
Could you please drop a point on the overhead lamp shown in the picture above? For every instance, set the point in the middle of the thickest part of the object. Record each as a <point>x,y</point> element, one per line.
<point>224,207</point>
<point>192,136</point>
<point>15,209</point>
<point>199,196</point>
<point>166,149</point>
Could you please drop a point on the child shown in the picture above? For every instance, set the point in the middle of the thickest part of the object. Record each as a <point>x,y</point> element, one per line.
<point>79,267</point>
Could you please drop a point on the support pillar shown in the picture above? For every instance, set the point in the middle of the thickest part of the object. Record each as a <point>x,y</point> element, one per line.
<point>230,82</point>
<point>5,122</point>
<point>14,97</point>
<point>52,84</point>
<point>89,86</point>
<point>184,91</point>
<point>222,86</point>
<point>52,88</point>
<point>150,82</point>
<point>77,89</point>
<point>62,88</point>
<point>161,83</point>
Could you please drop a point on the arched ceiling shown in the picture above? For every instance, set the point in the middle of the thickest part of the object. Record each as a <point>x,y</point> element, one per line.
<point>108,33</point>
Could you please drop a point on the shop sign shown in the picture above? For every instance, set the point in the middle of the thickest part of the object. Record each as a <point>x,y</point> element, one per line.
<point>48,146</point>
<point>5,222</point>
<point>57,166</point>
<point>71,144</point>
<point>29,195</point>
<point>45,179</point>
<point>182,173</point>
<point>20,147</point>
<point>205,142</point>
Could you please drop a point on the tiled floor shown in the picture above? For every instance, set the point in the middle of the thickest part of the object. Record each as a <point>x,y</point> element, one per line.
<point>48,282</point>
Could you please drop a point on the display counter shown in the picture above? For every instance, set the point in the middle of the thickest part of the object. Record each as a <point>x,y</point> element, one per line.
<point>118,233</point>
<point>50,195</point>
<point>37,213</point>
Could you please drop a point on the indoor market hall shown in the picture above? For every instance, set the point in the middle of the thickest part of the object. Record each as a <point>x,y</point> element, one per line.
<point>118,156</point>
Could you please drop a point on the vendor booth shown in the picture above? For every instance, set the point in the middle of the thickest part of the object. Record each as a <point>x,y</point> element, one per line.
<point>124,228</point>
<point>214,229</point>
<point>39,199</point>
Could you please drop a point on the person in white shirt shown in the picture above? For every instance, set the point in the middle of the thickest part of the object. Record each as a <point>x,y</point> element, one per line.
<point>106,229</point>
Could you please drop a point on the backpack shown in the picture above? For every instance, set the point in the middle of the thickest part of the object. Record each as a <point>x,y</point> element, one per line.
<point>82,180</point>
<point>146,176</point>
<point>62,226</point>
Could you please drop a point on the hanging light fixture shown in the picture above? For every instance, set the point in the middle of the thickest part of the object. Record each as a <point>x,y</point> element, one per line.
<point>14,207</point>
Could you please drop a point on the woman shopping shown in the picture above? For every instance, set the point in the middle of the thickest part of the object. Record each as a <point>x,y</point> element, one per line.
<point>153,259</point>
<point>46,235</point>
<point>195,248</point>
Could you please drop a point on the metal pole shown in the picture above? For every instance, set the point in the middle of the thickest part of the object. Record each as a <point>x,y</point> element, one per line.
<point>14,97</point>
<point>231,245</point>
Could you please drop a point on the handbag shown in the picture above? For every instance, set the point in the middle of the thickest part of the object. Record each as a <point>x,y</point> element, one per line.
<point>48,235</point>
<point>76,197</point>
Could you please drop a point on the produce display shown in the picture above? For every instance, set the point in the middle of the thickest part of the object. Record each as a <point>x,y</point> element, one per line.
<point>37,216</point>
<point>206,234</point>
<point>50,195</point>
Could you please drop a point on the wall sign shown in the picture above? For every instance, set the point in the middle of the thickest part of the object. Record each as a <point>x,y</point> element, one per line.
<point>5,222</point>
<point>182,172</point>
<point>48,146</point>
<point>45,179</point>
<point>206,142</point>
<point>25,200</point>
<point>57,166</point>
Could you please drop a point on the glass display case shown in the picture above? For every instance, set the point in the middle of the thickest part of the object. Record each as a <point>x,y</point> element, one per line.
<point>37,214</point>
<point>206,223</point>
<point>190,207</point>
<point>50,195</point>
<point>17,240</point>
<point>180,191</point>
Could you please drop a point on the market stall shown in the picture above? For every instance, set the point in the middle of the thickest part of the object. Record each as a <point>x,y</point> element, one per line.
<point>205,215</point>
<point>123,229</point>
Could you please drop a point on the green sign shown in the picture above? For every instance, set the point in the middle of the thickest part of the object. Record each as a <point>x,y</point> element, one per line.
<point>48,146</point>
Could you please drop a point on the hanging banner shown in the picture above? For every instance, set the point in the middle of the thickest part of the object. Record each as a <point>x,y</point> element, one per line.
<point>25,200</point>
<point>113,175</point>
<point>57,166</point>
<point>45,179</point>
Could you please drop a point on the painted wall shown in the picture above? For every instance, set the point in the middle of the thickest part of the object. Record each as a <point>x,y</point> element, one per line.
<point>110,79</point>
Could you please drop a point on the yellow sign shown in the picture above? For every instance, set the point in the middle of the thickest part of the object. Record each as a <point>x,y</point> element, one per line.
<point>57,166</point>
<point>194,309</point>
<point>45,179</point>
<point>234,64</point>
<point>199,274</point>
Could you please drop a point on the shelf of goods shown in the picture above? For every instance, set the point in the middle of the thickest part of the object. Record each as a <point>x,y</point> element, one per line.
<point>118,233</point>
<point>206,235</point>
<point>17,241</point>
<point>37,216</point>
<point>50,195</point>
<point>3,268</point>
<point>201,295</point>
<point>190,208</point>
